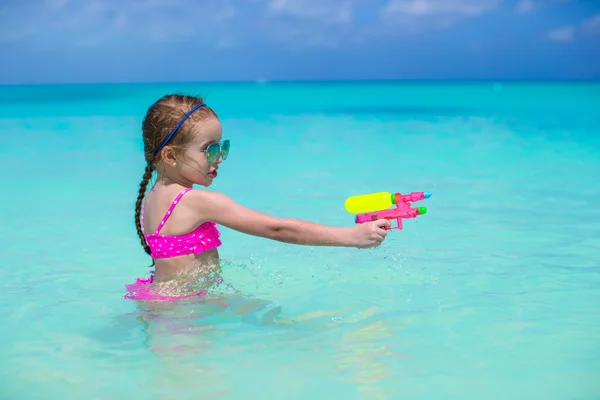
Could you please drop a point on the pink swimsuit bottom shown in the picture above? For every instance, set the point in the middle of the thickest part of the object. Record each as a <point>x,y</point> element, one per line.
<point>205,237</point>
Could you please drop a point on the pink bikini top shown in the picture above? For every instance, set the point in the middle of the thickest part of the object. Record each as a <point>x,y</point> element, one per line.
<point>203,238</point>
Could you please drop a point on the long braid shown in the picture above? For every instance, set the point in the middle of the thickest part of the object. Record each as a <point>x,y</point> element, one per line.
<point>138,206</point>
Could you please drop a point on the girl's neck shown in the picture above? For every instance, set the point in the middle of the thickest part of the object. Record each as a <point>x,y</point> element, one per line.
<point>165,180</point>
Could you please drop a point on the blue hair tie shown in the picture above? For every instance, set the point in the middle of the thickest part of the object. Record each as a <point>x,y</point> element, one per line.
<point>176,128</point>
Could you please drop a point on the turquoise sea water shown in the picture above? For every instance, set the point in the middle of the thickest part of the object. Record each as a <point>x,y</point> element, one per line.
<point>493,294</point>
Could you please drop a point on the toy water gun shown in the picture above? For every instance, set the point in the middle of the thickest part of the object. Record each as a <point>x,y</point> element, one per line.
<point>374,206</point>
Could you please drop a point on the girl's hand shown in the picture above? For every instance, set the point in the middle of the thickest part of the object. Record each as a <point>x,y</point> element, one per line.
<point>370,234</point>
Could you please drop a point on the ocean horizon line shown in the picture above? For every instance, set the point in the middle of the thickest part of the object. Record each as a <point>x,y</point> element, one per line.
<point>310,81</point>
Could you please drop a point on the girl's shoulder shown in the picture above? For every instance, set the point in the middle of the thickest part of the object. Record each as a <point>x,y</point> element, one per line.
<point>163,198</point>
<point>197,199</point>
<point>202,194</point>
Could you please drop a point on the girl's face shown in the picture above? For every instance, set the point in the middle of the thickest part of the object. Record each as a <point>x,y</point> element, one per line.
<point>200,159</point>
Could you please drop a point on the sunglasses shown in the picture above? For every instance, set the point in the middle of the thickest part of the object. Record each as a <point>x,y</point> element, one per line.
<point>214,150</point>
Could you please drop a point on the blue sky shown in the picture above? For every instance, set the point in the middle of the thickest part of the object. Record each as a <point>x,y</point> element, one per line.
<point>48,41</point>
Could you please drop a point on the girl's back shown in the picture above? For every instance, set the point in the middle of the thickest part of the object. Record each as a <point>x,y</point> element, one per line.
<point>183,245</point>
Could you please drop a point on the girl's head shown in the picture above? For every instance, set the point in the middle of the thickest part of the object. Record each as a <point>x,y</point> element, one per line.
<point>182,142</point>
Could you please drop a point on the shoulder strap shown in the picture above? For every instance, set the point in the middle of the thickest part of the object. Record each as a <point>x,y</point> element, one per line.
<point>170,210</point>
<point>143,208</point>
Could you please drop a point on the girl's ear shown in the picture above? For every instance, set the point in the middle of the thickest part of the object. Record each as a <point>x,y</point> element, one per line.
<point>168,155</point>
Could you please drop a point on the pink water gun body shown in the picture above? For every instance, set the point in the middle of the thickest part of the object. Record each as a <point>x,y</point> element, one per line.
<point>374,206</point>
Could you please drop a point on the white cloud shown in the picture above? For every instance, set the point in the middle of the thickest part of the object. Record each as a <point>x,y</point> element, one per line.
<point>313,23</point>
<point>414,16</point>
<point>525,6</point>
<point>219,24</point>
<point>591,26</point>
<point>329,11</point>
<point>438,7</point>
<point>98,21</point>
<point>57,3</point>
<point>529,6</point>
<point>564,34</point>
<point>330,23</point>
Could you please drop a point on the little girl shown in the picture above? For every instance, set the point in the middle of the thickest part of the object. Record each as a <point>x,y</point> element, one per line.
<point>177,225</point>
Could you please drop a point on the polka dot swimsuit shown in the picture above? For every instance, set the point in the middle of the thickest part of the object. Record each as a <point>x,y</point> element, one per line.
<point>203,238</point>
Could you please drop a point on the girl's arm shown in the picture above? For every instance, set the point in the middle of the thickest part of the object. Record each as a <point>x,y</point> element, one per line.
<point>219,208</point>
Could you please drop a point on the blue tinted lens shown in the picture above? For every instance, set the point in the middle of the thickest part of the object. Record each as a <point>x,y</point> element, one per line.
<point>215,149</point>
<point>225,149</point>
<point>212,153</point>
